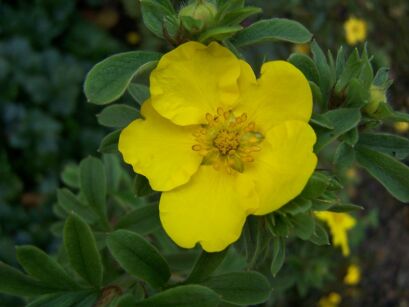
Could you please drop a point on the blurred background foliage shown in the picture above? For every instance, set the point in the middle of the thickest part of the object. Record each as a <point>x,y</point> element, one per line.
<point>47,47</point>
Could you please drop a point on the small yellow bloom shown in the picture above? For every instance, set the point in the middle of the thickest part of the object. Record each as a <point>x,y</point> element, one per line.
<point>133,38</point>
<point>301,48</point>
<point>331,300</point>
<point>401,127</point>
<point>339,224</point>
<point>219,143</point>
<point>353,275</point>
<point>355,30</point>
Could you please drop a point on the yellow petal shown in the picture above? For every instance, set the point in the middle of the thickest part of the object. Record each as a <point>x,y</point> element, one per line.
<point>281,93</point>
<point>159,150</point>
<point>211,209</point>
<point>193,80</point>
<point>284,164</point>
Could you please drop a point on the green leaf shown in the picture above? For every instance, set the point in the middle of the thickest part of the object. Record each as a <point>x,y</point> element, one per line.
<point>235,17</point>
<point>316,185</point>
<point>321,121</point>
<point>324,71</point>
<point>306,65</point>
<point>219,33</point>
<point>390,144</point>
<point>71,204</point>
<point>320,236</point>
<point>244,288</point>
<point>67,299</point>
<point>44,268</point>
<point>143,220</point>
<point>182,296</point>
<point>386,112</point>
<point>113,171</point>
<point>392,174</point>
<point>205,265</point>
<point>109,143</point>
<point>142,186</point>
<point>93,184</point>
<point>117,116</point>
<point>275,29</point>
<point>304,225</point>
<point>343,120</point>
<point>154,13</point>
<point>14,282</point>
<point>357,94</point>
<point>81,248</point>
<point>339,62</point>
<point>344,157</point>
<point>351,137</point>
<point>296,206</point>
<point>345,208</point>
<point>138,257</point>
<point>278,255</point>
<point>317,96</point>
<point>382,78</point>
<point>351,70</point>
<point>71,175</point>
<point>224,7</point>
<point>139,92</point>
<point>109,79</point>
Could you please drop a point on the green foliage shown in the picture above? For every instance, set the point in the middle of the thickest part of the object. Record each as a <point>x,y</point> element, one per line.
<point>16,283</point>
<point>108,80</point>
<point>392,174</point>
<point>42,267</point>
<point>244,288</point>
<point>205,265</point>
<point>94,185</point>
<point>190,295</point>
<point>275,29</point>
<point>117,116</point>
<point>81,248</point>
<point>138,257</point>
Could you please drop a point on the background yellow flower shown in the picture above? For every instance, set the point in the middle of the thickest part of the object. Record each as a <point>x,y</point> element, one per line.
<point>353,276</point>
<point>355,30</point>
<point>339,224</point>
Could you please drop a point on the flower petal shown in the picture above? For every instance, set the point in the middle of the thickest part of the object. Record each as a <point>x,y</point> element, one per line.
<point>211,209</point>
<point>283,166</point>
<point>159,150</point>
<point>193,80</point>
<point>281,93</point>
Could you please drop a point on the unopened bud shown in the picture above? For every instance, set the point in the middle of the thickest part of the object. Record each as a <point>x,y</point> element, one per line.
<point>377,95</point>
<point>200,10</point>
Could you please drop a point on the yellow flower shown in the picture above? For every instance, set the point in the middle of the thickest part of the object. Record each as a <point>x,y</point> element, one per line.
<point>355,30</point>
<point>133,37</point>
<point>353,275</point>
<point>332,300</point>
<point>219,143</point>
<point>301,48</point>
<point>339,224</point>
<point>401,127</point>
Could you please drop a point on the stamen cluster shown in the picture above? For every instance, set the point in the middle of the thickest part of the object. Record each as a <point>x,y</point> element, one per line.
<point>227,141</point>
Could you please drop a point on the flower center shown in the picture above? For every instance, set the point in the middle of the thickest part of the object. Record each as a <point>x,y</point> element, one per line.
<point>227,141</point>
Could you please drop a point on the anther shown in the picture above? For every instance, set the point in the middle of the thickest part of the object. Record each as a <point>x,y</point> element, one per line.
<point>197,147</point>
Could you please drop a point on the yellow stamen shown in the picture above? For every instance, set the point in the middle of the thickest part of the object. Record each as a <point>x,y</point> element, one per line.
<point>227,141</point>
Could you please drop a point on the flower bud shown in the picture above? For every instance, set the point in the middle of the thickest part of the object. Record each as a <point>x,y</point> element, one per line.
<point>377,95</point>
<point>200,10</point>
